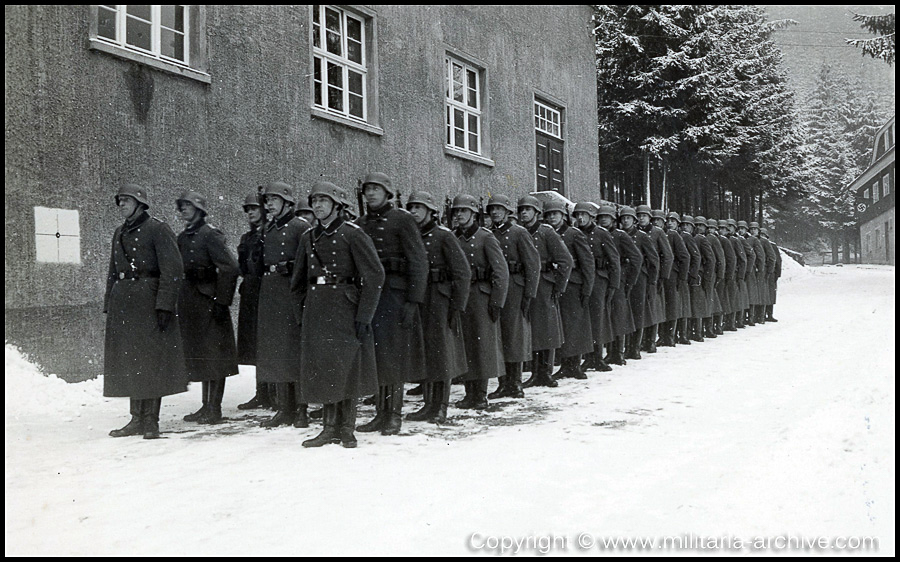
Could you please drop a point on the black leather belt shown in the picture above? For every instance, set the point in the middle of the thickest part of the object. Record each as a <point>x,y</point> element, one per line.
<point>136,275</point>
<point>332,280</point>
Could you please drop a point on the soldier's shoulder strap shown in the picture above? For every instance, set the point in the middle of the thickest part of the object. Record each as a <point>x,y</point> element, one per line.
<point>443,228</point>
<point>352,225</point>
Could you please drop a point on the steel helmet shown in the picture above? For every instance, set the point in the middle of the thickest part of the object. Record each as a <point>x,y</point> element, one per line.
<point>502,201</point>
<point>531,201</point>
<point>377,178</point>
<point>627,211</point>
<point>712,223</point>
<point>194,199</point>
<point>723,223</point>
<point>330,190</point>
<point>280,189</point>
<point>644,209</point>
<point>466,201</point>
<point>658,214</point>
<point>754,224</point>
<point>687,219</point>
<point>252,200</point>
<point>587,207</point>
<point>699,220</point>
<point>423,198</point>
<point>742,223</point>
<point>134,191</point>
<point>673,215</point>
<point>732,222</point>
<point>607,210</point>
<point>764,232</point>
<point>554,205</point>
<point>303,206</point>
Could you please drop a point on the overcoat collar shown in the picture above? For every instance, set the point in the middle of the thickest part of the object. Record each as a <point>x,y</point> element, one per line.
<point>143,217</point>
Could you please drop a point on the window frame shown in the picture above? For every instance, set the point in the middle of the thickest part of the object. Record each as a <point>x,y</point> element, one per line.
<point>44,233</point>
<point>451,105</point>
<point>342,60</point>
<point>548,109</point>
<point>194,41</point>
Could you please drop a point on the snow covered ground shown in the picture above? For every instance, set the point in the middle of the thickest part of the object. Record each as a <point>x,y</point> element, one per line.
<point>778,431</point>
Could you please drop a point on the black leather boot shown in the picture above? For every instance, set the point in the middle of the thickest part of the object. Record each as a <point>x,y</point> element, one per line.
<point>571,368</point>
<point>346,422</point>
<point>749,314</point>
<point>514,381</point>
<point>708,331</point>
<point>441,397</point>
<point>633,345</point>
<point>617,352</point>
<point>315,414</point>
<point>204,395</point>
<point>717,325</point>
<point>769,310</point>
<point>380,414</point>
<point>468,399</point>
<point>214,407</point>
<point>683,331</point>
<point>532,368</point>
<point>261,400</point>
<point>545,368</point>
<point>425,412</point>
<point>301,416</point>
<point>284,402</point>
<point>370,400</point>
<point>480,389</point>
<point>696,327</point>
<point>417,390</point>
<point>650,338</point>
<point>394,410</point>
<point>136,425</point>
<point>329,432</point>
<point>151,408</point>
<point>502,389</point>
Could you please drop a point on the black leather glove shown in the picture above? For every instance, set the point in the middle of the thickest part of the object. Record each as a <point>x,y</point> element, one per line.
<point>220,313</point>
<point>362,330</point>
<point>409,315</point>
<point>526,306</point>
<point>494,312</point>
<point>163,319</point>
<point>453,320</point>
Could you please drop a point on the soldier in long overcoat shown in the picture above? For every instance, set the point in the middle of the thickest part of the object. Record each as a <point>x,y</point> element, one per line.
<point>250,261</point>
<point>765,296</point>
<point>399,343</point>
<point>657,297</point>
<point>697,300</point>
<point>608,272</point>
<point>574,303</point>
<point>752,285</point>
<point>676,286</point>
<point>715,302</point>
<point>546,320</point>
<point>644,290</point>
<point>631,262</point>
<point>707,280</point>
<point>524,264</point>
<point>728,293</point>
<point>204,301</point>
<point>773,280</point>
<point>337,278</point>
<point>449,279</point>
<point>487,294</point>
<point>278,331</point>
<point>740,272</point>
<point>758,310</point>
<point>143,354</point>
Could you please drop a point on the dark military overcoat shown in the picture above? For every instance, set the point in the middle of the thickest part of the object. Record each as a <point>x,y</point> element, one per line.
<point>278,331</point>
<point>578,338</point>
<point>338,278</point>
<point>729,292</point>
<point>740,272</point>
<point>250,262</point>
<point>210,277</point>
<point>701,299</point>
<point>765,291</point>
<point>556,266</point>
<point>666,259</point>
<point>524,266</point>
<point>773,282</point>
<point>677,282</point>
<point>488,287</point>
<point>449,279</point>
<point>717,294</point>
<point>399,350</point>
<point>144,275</point>
<point>643,293</point>
<point>694,280</point>
<point>608,271</point>
<point>631,261</point>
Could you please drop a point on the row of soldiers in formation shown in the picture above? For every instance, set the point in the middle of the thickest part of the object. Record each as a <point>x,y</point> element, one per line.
<point>333,310</point>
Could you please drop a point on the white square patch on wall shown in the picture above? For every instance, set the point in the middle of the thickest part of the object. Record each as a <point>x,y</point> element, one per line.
<point>57,235</point>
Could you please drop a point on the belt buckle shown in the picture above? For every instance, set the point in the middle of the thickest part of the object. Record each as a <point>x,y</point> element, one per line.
<point>272,268</point>
<point>320,280</point>
<point>121,275</point>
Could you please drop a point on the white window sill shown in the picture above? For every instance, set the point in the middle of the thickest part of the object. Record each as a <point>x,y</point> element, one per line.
<point>322,114</point>
<point>158,64</point>
<point>456,153</point>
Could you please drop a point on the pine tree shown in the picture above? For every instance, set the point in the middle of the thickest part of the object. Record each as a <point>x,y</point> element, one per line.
<point>882,46</point>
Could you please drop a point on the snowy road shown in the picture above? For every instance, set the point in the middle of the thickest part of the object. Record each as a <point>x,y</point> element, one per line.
<point>780,430</point>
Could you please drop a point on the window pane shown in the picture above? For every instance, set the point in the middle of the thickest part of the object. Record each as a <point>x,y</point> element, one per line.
<point>333,33</point>
<point>473,124</point>
<point>317,35</point>
<point>137,33</point>
<point>354,51</point>
<point>473,143</point>
<point>355,82</point>
<point>171,44</point>
<point>356,106</point>
<point>316,14</point>
<point>459,119</point>
<point>457,83</point>
<point>473,98</point>
<point>317,80</point>
<point>172,17</point>
<point>460,138</point>
<point>335,75</point>
<point>333,41</point>
<point>473,92</point>
<point>106,23</point>
<point>354,29</point>
<point>142,12</point>
<point>336,99</point>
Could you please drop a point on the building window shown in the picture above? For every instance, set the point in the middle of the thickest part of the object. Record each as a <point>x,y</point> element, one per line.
<point>549,147</point>
<point>867,193</point>
<point>876,190</point>
<point>57,237</point>
<point>166,37</point>
<point>868,243</point>
<point>885,181</point>
<point>463,105</point>
<point>339,62</point>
